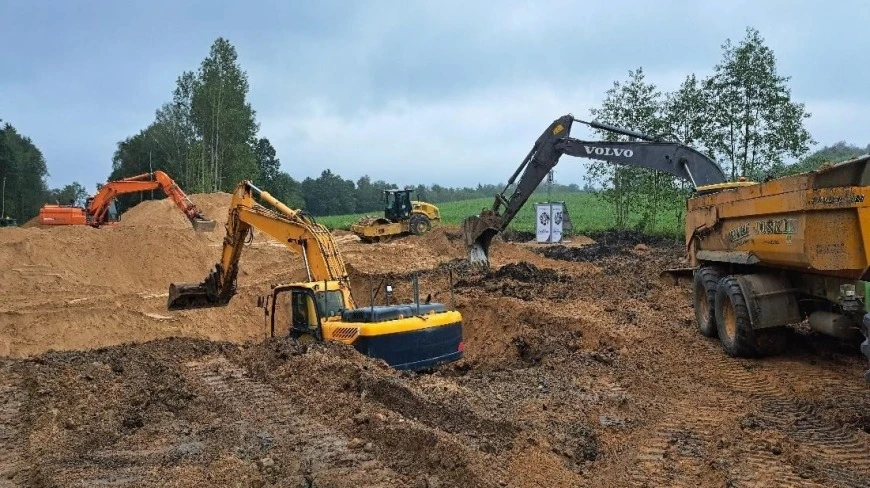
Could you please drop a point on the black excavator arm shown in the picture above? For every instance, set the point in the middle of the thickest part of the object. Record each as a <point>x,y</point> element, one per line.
<point>651,153</point>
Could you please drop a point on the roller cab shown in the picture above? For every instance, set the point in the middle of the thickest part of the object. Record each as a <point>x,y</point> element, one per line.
<point>405,336</point>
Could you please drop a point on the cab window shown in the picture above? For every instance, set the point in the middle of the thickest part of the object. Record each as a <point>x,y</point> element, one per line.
<point>330,303</point>
<point>304,313</point>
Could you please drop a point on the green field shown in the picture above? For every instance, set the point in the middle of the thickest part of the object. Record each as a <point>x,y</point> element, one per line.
<point>588,213</point>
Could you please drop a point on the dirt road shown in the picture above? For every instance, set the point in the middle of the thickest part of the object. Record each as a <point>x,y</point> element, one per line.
<point>582,369</point>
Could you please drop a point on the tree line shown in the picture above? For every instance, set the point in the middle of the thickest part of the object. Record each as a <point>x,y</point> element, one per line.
<point>329,194</point>
<point>23,176</point>
<point>207,138</point>
<point>742,116</point>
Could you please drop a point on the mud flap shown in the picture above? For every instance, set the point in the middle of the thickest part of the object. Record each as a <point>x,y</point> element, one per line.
<point>865,346</point>
<point>770,300</point>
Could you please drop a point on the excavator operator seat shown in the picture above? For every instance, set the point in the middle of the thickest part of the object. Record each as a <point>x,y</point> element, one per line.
<point>398,204</point>
<point>303,311</point>
<point>112,213</point>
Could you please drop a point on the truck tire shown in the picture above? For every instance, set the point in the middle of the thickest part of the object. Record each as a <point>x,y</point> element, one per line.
<point>732,320</point>
<point>706,281</point>
<point>419,224</point>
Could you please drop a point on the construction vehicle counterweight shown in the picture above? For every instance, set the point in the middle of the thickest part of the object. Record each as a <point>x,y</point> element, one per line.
<point>414,336</point>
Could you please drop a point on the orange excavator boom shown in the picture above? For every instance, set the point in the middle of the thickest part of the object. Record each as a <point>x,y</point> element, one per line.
<point>97,206</point>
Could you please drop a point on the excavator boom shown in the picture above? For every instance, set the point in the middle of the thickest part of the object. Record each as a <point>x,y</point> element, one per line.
<point>98,205</point>
<point>651,153</point>
<point>323,261</point>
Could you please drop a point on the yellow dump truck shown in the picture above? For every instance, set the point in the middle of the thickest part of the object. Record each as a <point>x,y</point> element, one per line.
<point>763,255</point>
<point>770,254</point>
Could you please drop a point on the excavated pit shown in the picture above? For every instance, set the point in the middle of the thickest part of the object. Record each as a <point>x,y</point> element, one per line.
<point>581,369</point>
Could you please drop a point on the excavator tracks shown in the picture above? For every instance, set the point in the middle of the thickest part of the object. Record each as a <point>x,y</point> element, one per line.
<point>324,452</point>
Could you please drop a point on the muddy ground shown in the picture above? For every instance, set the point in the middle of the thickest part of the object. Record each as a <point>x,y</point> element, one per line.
<point>582,368</point>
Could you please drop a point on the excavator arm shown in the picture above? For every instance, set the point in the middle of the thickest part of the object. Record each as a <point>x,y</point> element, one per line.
<point>651,153</point>
<point>98,205</point>
<point>296,230</point>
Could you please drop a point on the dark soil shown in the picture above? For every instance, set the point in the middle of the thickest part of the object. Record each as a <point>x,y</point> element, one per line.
<point>519,280</point>
<point>511,235</point>
<point>606,244</point>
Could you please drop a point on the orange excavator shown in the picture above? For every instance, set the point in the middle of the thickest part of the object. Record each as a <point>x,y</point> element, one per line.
<point>98,209</point>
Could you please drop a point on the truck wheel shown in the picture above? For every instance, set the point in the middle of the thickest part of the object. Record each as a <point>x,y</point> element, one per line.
<point>732,320</point>
<point>419,224</point>
<point>706,281</point>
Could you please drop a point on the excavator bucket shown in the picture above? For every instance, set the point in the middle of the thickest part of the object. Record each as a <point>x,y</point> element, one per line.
<point>201,224</point>
<point>477,232</point>
<point>186,296</point>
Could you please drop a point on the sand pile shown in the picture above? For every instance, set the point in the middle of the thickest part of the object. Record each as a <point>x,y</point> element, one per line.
<point>164,213</point>
<point>70,287</point>
<point>407,254</point>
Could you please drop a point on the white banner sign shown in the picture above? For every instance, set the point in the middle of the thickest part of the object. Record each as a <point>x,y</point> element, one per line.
<point>556,226</point>
<point>543,222</point>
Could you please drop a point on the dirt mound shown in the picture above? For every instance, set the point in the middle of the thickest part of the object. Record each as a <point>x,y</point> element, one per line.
<point>405,254</point>
<point>30,223</point>
<point>631,238</point>
<point>511,235</point>
<point>164,213</point>
<point>69,287</point>
<point>525,272</point>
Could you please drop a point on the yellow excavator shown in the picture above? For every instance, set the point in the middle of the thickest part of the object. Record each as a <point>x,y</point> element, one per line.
<point>406,336</point>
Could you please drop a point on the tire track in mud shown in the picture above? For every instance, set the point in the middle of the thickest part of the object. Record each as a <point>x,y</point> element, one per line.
<point>12,448</point>
<point>675,453</point>
<point>324,452</point>
<point>762,469</point>
<point>843,451</point>
<point>840,452</point>
<point>106,471</point>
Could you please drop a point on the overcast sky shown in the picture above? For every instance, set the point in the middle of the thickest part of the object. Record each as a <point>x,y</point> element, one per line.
<point>443,92</point>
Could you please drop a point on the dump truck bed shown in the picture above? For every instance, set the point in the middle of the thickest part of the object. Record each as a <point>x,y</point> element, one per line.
<point>815,222</point>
